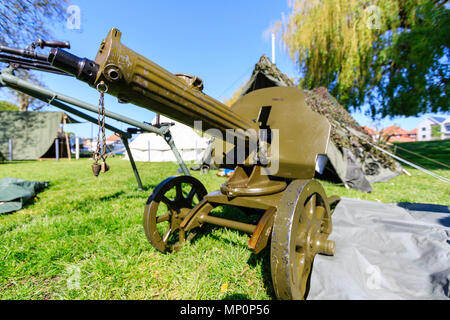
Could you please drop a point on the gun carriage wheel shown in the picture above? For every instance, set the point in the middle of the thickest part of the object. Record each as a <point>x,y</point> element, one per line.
<point>301,227</point>
<point>166,208</point>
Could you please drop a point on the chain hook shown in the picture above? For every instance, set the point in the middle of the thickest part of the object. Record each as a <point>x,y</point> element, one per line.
<point>96,168</point>
<point>102,87</point>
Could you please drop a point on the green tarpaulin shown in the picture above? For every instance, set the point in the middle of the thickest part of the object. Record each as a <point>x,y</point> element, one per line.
<point>32,133</point>
<point>14,193</point>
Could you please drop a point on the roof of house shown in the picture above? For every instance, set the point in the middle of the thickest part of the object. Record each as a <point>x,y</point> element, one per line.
<point>370,131</point>
<point>394,130</point>
<point>402,139</point>
<point>397,134</point>
<point>437,119</point>
<point>113,138</point>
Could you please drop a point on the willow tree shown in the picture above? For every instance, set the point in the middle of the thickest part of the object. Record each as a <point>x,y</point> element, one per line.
<point>391,54</point>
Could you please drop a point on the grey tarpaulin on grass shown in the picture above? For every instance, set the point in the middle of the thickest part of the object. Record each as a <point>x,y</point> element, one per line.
<point>14,193</point>
<point>385,251</point>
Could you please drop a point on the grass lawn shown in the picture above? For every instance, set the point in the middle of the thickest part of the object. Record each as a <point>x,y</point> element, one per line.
<point>438,150</point>
<point>82,238</point>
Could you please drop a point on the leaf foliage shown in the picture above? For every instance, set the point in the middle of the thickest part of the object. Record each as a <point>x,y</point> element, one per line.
<point>391,54</point>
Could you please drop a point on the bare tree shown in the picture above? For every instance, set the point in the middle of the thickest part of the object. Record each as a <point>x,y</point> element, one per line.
<point>22,22</point>
<point>24,101</point>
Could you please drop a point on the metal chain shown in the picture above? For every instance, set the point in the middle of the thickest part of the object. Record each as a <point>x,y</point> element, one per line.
<point>103,111</point>
<point>101,126</point>
<point>97,156</point>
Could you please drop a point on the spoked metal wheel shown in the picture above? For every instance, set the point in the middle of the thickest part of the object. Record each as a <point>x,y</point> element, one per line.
<point>301,228</point>
<point>166,208</point>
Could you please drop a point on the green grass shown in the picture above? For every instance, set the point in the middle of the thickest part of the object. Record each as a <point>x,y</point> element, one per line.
<point>82,238</point>
<point>438,150</point>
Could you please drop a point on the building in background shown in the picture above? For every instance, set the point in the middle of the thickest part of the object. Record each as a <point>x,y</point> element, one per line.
<point>371,132</point>
<point>88,145</point>
<point>114,144</point>
<point>445,129</point>
<point>397,134</point>
<point>433,128</point>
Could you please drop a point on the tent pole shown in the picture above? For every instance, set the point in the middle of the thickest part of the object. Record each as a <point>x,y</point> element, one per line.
<point>77,148</point>
<point>69,155</point>
<point>133,164</point>
<point>10,150</point>
<point>57,149</point>
<point>273,48</point>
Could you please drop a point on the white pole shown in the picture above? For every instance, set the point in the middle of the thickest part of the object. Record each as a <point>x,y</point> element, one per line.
<point>57,149</point>
<point>148,146</point>
<point>273,48</point>
<point>10,150</point>
<point>77,148</point>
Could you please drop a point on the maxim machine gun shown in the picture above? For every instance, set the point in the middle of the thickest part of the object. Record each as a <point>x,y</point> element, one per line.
<point>270,136</point>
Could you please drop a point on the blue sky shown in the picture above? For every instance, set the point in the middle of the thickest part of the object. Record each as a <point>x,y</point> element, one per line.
<point>219,41</point>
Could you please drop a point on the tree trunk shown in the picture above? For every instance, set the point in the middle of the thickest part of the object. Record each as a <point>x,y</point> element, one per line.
<point>23,107</point>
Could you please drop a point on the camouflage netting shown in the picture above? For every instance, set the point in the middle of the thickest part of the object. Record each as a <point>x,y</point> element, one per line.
<point>322,102</point>
<point>352,159</point>
<point>266,74</point>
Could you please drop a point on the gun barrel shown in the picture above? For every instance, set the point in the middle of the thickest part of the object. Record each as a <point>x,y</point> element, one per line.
<point>24,53</point>
<point>133,78</point>
<point>82,68</point>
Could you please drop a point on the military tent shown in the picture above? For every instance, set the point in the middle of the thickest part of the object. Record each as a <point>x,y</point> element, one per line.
<point>352,159</point>
<point>32,133</point>
<point>153,147</point>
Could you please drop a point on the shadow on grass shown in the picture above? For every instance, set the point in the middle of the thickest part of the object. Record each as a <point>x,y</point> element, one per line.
<point>149,187</point>
<point>230,213</point>
<point>91,202</point>
<point>114,196</point>
<point>111,196</point>
<point>263,258</point>
<point>236,296</point>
